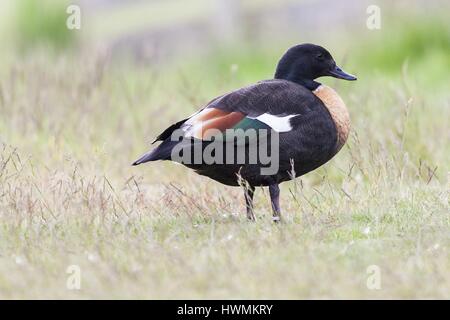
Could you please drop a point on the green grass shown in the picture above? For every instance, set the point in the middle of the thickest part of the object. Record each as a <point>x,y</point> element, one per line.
<point>41,23</point>
<point>71,126</point>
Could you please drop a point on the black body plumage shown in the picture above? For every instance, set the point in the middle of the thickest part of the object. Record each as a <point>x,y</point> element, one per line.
<point>310,143</point>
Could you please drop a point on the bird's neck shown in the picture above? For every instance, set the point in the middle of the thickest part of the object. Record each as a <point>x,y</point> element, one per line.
<point>307,83</point>
<point>303,81</point>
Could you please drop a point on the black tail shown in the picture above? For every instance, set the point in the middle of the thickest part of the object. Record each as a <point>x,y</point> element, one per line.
<point>161,152</point>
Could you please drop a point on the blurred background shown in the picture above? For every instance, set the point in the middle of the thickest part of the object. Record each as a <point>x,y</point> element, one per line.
<point>157,31</point>
<point>78,106</point>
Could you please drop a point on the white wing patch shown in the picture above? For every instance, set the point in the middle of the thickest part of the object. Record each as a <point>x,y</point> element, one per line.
<point>277,123</point>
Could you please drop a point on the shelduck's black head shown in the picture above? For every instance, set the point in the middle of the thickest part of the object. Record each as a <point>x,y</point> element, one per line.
<point>305,62</point>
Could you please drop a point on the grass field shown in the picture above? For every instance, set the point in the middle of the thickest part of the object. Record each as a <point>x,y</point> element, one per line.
<point>71,125</point>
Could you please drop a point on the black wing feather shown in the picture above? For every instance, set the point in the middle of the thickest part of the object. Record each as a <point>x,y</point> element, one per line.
<point>168,132</point>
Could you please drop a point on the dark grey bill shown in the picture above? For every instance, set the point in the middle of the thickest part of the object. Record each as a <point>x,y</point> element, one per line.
<point>340,74</point>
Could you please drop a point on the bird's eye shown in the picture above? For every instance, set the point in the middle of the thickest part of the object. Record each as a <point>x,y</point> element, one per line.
<point>320,56</point>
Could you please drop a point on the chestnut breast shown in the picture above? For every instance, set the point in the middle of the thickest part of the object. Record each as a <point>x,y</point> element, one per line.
<point>338,112</point>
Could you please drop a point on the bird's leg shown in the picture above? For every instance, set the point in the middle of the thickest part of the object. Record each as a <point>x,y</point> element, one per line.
<point>274,191</point>
<point>249,192</point>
